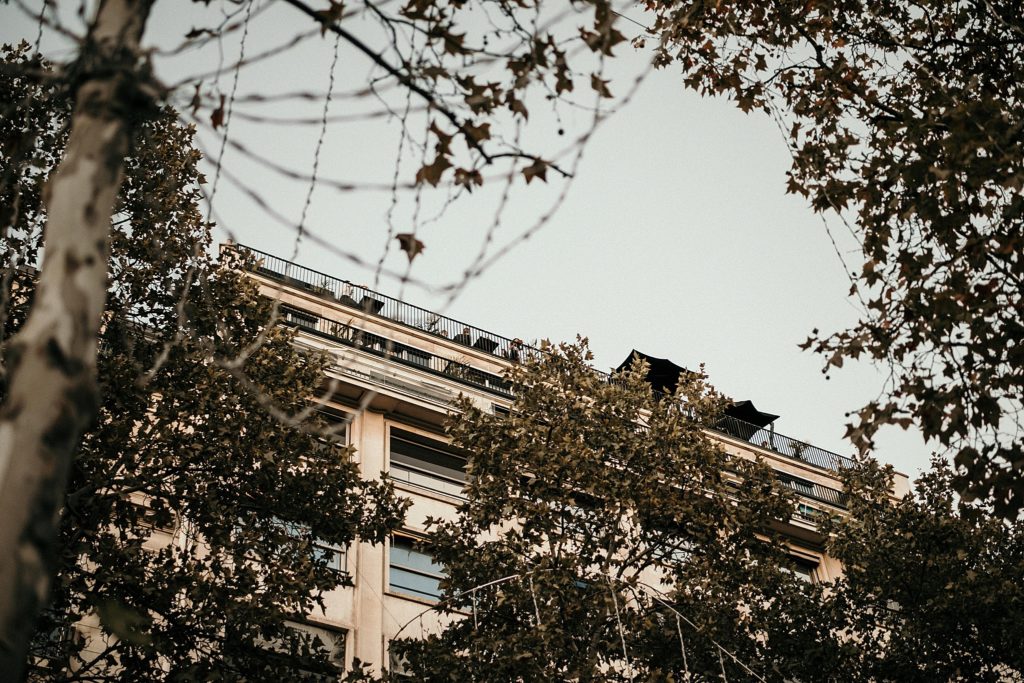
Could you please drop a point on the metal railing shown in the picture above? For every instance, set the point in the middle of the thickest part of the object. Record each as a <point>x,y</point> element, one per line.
<point>814,491</point>
<point>404,354</point>
<point>383,306</point>
<point>782,444</point>
<point>374,303</point>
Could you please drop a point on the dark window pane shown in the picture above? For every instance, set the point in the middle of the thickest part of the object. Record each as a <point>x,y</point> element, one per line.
<point>413,571</point>
<point>418,460</point>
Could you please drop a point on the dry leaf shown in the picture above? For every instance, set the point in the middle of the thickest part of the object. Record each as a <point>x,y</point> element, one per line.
<point>217,117</point>
<point>409,244</point>
<point>432,172</point>
<point>539,169</point>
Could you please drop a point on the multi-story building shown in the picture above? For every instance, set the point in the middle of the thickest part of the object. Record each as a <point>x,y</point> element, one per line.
<point>398,368</point>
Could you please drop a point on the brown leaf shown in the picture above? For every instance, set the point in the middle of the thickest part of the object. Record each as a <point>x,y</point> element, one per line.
<point>478,133</point>
<point>432,173</point>
<point>409,244</point>
<point>454,44</point>
<point>600,85</point>
<point>217,117</point>
<point>329,16</point>
<point>444,140</point>
<point>516,105</point>
<point>196,102</point>
<point>468,178</point>
<point>539,169</point>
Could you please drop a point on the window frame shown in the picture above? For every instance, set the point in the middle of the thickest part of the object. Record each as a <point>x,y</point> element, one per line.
<point>422,477</point>
<point>803,568</point>
<point>318,546</point>
<point>305,668</point>
<point>408,592</point>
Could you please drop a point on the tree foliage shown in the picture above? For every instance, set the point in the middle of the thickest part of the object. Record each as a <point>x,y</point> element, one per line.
<point>906,116</point>
<point>418,49</point>
<point>605,534</point>
<point>601,512</point>
<point>181,443</point>
<point>933,587</point>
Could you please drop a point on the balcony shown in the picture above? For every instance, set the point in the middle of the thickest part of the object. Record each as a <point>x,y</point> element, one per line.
<point>770,440</point>
<point>375,304</point>
<point>380,305</point>
<point>355,337</point>
<point>822,494</point>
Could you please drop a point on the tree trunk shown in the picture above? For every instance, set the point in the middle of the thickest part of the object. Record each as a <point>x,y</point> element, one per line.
<point>51,362</point>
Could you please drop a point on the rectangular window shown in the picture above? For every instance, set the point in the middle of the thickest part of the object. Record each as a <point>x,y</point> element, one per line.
<point>157,519</point>
<point>412,571</point>
<point>675,551</point>
<point>804,570</point>
<point>425,462</point>
<point>335,556</point>
<point>301,662</point>
<point>335,432</point>
<point>808,513</point>
<point>398,665</point>
<point>297,316</point>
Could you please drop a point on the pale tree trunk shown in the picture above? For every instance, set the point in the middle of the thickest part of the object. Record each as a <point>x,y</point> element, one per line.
<point>51,362</point>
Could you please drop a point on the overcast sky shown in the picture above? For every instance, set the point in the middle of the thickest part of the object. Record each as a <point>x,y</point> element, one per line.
<point>676,237</point>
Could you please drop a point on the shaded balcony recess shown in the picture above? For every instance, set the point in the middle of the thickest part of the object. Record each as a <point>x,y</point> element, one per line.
<point>403,354</point>
<point>375,304</point>
<point>814,490</point>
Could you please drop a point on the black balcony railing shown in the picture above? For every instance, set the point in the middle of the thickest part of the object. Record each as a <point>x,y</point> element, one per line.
<point>782,444</point>
<point>372,303</point>
<point>814,491</point>
<point>404,354</point>
<point>381,305</point>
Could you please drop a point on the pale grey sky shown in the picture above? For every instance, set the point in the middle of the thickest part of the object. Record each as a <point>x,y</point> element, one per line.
<point>676,237</point>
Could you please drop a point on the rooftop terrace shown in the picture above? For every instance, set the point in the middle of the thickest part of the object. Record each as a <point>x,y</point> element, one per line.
<point>375,304</point>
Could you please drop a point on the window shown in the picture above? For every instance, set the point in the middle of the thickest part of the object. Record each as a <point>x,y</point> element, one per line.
<point>157,517</point>
<point>799,485</point>
<point>675,551</point>
<point>335,432</point>
<point>335,556</point>
<point>425,462</point>
<point>412,571</point>
<point>299,651</point>
<point>669,541</point>
<point>299,317</point>
<point>808,513</point>
<point>398,665</point>
<point>55,641</point>
<point>804,570</point>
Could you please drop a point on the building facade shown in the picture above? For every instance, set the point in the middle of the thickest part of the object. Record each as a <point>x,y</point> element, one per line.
<point>397,370</point>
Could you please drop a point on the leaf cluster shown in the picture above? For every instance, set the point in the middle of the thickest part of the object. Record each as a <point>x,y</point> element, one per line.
<point>183,445</point>
<point>595,511</point>
<point>908,117</point>
<point>933,586</point>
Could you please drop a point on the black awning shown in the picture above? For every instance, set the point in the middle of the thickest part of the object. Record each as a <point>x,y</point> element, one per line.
<point>745,410</point>
<point>662,374</point>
